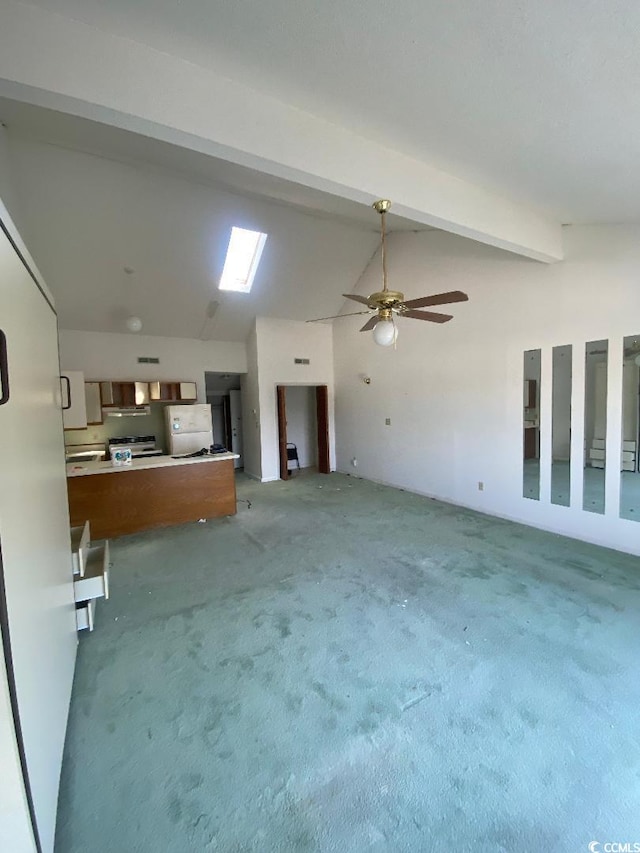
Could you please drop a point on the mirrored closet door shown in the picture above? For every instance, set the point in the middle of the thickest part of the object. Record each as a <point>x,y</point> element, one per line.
<point>531,426</point>
<point>595,425</point>
<point>561,426</point>
<point>630,473</point>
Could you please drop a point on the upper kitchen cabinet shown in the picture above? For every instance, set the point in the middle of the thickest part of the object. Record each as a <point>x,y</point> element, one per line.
<point>188,391</point>
<point>74,405</point>
<point>173,392</point>
<point>94,403</point>
<point>120,394</point>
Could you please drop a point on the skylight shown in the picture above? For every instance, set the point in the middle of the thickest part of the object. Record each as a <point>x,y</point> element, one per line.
<point>243,257</point>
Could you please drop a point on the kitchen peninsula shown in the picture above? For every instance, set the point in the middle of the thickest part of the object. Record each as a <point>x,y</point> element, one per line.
<point>152,492</point>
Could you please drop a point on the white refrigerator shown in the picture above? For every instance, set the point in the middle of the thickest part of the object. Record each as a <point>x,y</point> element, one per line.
<point>189,428</point>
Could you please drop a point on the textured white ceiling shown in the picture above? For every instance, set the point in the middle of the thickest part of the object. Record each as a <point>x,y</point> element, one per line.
<point>537,100</point>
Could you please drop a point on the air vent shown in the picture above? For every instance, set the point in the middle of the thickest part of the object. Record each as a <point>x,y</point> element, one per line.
<point>148,359</point>
<point>301,361</point>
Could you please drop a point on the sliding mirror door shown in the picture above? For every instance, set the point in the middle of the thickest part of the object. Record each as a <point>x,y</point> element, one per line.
<point>595,425</point>
<point>630,475</point>
<point>531,426</point>
<point>561,426</point>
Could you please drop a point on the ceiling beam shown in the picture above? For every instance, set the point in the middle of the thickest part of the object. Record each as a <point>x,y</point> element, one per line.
<point>63,64</point>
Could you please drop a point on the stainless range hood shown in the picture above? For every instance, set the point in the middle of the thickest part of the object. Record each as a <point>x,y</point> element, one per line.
<point>126,411</point>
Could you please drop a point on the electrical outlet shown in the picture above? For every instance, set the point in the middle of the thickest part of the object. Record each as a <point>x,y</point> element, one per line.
<point>387,421</point>
<point>480,486</point>
<point>354,462</point>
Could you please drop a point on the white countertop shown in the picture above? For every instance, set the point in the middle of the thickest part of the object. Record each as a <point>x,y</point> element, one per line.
<point>82,469</point>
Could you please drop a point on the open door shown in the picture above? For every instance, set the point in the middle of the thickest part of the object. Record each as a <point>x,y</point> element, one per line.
<point>322,415</point>
<point>322,410</point>
<point>282,432</point>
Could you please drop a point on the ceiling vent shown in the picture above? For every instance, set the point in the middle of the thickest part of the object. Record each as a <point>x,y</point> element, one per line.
<point>301,361</point>
<point>148,359</point>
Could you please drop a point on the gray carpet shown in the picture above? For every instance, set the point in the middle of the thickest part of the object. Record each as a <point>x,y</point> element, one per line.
<point>348,667</point>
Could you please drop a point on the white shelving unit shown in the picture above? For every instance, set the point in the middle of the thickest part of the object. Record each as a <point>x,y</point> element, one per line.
<point>91,563</point>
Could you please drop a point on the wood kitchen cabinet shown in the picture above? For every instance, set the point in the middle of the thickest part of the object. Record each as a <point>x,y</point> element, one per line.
<point>155,493</point>
<point>173,392</point>
<point>119,393</point>
<point>531,443</point>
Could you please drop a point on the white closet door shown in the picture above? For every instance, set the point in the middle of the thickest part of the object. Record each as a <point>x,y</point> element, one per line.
<point>34,534</point>
<point>15,824</point>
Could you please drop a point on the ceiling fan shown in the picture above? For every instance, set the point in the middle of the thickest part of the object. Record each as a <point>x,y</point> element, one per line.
<point>388,304</point>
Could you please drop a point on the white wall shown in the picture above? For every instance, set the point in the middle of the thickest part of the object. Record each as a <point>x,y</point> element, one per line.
<point>302,423</point>
<point>102,355</point>
<point>454,391</point>
<point>279,342</point>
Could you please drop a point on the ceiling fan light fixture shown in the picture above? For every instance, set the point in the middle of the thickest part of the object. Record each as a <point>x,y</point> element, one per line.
<point>385,333</point>
<point>385,303</point>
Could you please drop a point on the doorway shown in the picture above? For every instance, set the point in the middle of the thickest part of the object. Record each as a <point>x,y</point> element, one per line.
<point>225,398</point>
<point>303,428</point>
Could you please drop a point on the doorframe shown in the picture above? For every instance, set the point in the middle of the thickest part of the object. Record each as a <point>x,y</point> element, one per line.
<point>322,425</point>
<point>281,396</point>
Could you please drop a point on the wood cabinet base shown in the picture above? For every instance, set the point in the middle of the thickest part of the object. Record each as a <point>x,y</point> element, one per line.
<point>531,443</point>
<point>123,502</point>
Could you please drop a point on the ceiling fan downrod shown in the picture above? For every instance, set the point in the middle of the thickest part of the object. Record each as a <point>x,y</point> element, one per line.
<point>382,206</point>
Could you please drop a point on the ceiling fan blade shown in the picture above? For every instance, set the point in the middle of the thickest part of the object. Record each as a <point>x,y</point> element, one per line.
<point>336,316</point>
<point>437,299</point>
<point>370,324</point>
<point>428,315</point>
<point>363,299</point>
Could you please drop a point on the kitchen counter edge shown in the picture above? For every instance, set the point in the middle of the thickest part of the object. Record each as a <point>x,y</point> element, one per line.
<point>83,469</point>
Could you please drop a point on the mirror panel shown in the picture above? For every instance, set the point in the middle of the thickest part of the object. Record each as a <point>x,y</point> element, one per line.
<point>630,473</point>
<point>595,425</point>
<point>531,426</point>
<point>561,426</point>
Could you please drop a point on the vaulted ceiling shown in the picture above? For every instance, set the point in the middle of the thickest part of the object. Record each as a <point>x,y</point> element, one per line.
<point>122,226</point>
<point>141,132</point>
<point>537,100</point>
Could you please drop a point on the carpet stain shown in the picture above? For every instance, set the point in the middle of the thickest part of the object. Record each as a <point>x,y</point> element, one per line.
<point>283,625</point>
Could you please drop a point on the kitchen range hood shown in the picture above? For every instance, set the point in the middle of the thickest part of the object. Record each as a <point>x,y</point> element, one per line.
<point>126,411</point>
